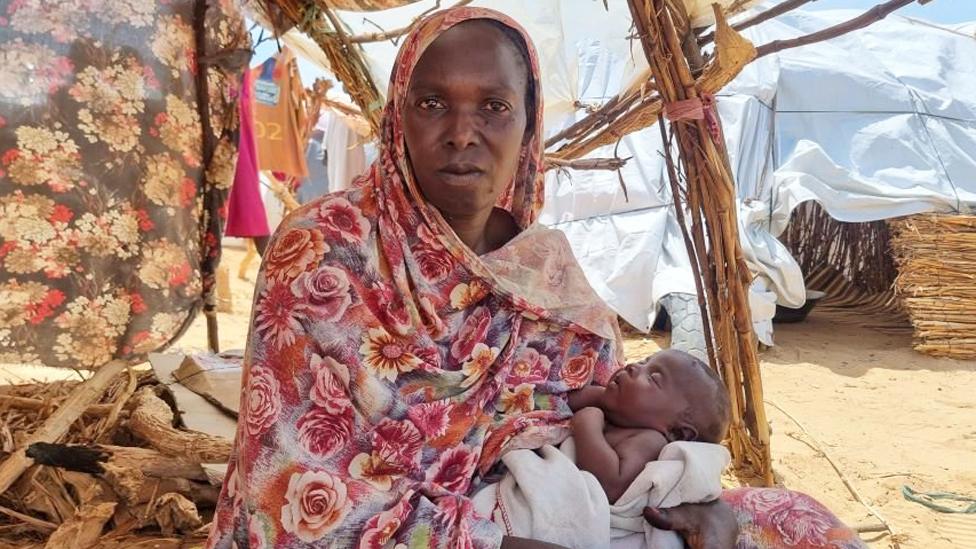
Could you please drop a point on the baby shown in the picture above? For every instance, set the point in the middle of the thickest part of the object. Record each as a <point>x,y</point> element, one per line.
<point>619,428</point>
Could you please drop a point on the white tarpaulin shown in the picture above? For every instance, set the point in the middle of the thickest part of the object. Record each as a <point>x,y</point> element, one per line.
<point>875,124</point>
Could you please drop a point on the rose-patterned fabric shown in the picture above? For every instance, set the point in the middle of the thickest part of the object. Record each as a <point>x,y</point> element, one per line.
<point>108,225</point>
<point>388,367</point>
<point>773,518</point>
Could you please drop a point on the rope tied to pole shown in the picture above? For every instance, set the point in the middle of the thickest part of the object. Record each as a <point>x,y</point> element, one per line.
<point>696,108</point>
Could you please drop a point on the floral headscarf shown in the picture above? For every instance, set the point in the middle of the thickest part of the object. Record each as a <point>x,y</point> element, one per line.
<point>389,367</point>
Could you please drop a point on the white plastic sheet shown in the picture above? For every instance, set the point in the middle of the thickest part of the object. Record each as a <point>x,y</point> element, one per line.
<point>875,124</point>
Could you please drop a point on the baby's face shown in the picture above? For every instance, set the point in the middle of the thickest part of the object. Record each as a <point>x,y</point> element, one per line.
<point>655,393</point>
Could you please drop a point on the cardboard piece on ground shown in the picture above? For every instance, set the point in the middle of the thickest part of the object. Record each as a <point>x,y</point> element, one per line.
<point>216,378</point>
<point>215,472</point>
<point>196,412</point>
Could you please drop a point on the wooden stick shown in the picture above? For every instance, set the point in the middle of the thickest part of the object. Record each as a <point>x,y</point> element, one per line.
<point>26,403</point>
<point>57,425</point>
<point>815,444</point>
<point>92,459</point>
<point>609,164</point>
<point>42,525</point>
<point>775,11</point>
<point>82,530</point>
<point>395,33</point>
<point>210,312</point>
<point>873,15</point>
<point>343,108</point>
<point>152,420</point>
<point>870,528</point>
<point>283,194</point>
<point>616,104</point>
<point>107,425</point>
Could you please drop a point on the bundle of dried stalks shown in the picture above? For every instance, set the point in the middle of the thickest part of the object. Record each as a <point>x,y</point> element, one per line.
<point>936,258</point>
<point>100,464</point>
<point>859,251</point>
<point>712,239</point>
<point>346,59</point>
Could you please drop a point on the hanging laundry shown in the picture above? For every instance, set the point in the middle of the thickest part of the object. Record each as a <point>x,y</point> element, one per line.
<point>246,216</point>
<point>317,158</point>
<point>344,143</point>
<point>279,115</point>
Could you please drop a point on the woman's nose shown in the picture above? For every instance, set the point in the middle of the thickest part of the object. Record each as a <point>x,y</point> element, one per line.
<point>462,131</point>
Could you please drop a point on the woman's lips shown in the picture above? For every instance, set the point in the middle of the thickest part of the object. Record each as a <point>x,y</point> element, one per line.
<point>461,178</point>
<point>461,173</point>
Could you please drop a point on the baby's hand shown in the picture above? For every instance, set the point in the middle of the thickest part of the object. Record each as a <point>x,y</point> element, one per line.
<point>588,418</point>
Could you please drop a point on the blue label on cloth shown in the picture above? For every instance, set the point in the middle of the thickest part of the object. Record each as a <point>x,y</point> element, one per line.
<point>266,92</point>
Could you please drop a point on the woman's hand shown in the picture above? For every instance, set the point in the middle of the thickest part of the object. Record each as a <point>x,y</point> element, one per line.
<point>702,526</point>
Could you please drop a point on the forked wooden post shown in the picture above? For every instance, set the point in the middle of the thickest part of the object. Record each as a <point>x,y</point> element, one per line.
<point>713,238</point>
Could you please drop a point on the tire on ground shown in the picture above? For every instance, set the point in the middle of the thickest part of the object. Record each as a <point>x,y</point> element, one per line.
<point>687,330</point>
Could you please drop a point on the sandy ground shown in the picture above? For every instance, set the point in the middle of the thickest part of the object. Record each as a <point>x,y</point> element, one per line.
<point>887,415</point>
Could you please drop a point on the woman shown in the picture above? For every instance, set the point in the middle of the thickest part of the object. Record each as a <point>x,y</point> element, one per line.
<point>408,332</point>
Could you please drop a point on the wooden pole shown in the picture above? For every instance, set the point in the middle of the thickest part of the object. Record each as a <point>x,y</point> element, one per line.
<point>775,11</point>
<point>210,311</point>
<point>57,425</point>
<point>710,195</point>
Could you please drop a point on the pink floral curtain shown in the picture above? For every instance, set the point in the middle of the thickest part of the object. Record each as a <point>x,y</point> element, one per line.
<point>109,200</point>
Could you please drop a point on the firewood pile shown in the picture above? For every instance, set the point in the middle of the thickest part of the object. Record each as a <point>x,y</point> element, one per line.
<point>103,463</point>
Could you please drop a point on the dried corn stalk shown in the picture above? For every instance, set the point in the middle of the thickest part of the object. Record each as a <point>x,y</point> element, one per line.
<point>858,251</point>
<point>936,258</point>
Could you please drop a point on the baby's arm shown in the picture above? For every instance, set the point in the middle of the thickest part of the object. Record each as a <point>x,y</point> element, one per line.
<point>615,468</point>
<point>585,397</point>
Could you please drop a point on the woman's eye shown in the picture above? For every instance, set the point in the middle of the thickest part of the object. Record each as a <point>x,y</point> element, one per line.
<point>430,103</point>
<point>497,106</point>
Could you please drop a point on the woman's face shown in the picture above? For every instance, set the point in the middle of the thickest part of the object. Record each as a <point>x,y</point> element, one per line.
<point>464,119</point>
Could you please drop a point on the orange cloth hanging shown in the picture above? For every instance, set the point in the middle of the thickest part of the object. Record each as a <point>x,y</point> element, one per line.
<point>279,115</point>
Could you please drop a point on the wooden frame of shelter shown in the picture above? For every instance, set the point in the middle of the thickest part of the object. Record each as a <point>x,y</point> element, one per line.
<point>682,74</point>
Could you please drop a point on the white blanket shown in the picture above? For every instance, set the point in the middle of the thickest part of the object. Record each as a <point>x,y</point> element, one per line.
<point>545,497</point>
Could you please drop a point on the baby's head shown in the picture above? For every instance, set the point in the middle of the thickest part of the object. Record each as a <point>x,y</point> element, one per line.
<point>671,392</point>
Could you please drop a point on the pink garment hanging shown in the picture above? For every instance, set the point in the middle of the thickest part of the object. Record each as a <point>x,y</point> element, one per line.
<point>246,216</point>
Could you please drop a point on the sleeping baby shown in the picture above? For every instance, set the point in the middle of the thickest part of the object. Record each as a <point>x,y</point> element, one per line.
<point>636,442</point>
<point>619,428</point>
